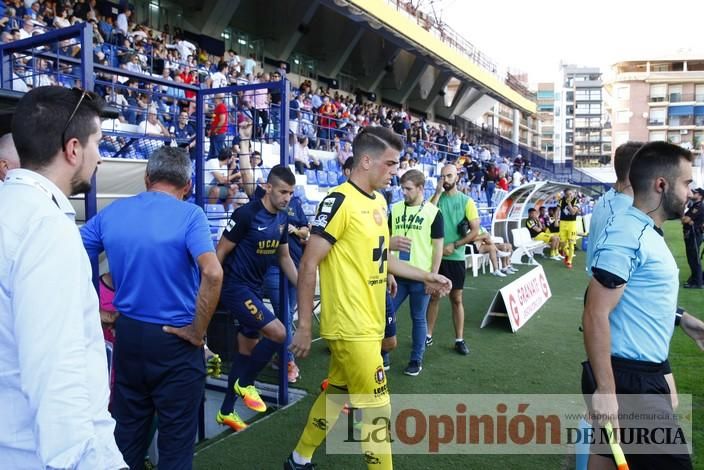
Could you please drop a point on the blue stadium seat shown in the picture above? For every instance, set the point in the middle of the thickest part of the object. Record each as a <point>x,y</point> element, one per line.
<point>396,195</point>
<point>331,164</point>
<point>332,178</point>
<point>217,219</point>
<point>300,193</point>
<point>322,179</point>
<point>311,177</point>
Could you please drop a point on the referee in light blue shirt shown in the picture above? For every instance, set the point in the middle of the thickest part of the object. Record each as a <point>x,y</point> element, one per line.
<point>629,316</point>
<point>615,201</point>
<point>167,284</point>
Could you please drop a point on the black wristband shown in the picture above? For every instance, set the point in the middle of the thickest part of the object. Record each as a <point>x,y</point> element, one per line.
<point>678,315</point>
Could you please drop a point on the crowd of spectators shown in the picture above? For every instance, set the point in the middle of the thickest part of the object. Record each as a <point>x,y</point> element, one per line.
<point>319,118</point>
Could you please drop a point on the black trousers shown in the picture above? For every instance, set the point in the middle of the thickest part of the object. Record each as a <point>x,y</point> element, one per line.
<point>642,390</point>
<point>692,243</point>
<point>156,372</point>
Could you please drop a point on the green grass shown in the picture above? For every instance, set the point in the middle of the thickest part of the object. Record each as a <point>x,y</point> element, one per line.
<point>543,357</point>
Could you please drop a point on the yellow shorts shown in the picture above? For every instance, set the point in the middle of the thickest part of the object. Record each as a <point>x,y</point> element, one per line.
<point>568,231</point>
<point>357,366</point>
<point>543,237</point>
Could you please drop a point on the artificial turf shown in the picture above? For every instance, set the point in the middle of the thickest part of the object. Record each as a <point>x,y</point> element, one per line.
<point>542,358</point>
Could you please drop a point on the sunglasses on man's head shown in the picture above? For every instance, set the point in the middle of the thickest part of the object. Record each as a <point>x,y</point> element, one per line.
<point>85,94</point>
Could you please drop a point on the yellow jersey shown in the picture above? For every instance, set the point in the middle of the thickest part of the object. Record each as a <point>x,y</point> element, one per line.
<point>353,274</point>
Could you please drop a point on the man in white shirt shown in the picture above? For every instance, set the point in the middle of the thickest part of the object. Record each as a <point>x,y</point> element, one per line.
<point>151,125</point>
<point>219,78</point>
<point>122,25</point>
<point>9,160</point>
<point>54,379</point>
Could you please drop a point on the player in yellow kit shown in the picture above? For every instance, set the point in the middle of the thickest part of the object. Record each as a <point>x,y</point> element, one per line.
<point>349,243</point>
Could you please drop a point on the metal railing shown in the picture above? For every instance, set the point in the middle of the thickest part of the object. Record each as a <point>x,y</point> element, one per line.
<point>447,35</point>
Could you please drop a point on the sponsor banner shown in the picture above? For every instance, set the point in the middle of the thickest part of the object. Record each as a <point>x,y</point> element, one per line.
<point>505,424</point>
<point>520,299</point>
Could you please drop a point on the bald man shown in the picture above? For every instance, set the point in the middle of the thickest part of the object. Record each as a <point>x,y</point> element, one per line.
<point>455,206</point>
<point>9,160</point>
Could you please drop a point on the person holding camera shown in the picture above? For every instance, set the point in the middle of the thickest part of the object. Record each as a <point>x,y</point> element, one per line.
<point>457,209</point>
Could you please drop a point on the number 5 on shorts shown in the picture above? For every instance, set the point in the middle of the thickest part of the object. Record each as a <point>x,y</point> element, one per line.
<point>251,307</point>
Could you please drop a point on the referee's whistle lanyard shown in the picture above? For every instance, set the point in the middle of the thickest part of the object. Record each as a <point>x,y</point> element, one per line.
<point>407,224</point>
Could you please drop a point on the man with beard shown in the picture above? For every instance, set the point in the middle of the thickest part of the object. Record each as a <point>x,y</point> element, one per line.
<point>455,207</point>
<point>417,233</point>
<point>631,308</point>
<point>54,384</point>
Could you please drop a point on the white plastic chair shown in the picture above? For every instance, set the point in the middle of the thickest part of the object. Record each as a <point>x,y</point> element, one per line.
<point>525,246</point>
<point>476,260</point>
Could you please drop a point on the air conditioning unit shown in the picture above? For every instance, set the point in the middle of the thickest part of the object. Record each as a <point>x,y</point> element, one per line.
<point>683,131</point>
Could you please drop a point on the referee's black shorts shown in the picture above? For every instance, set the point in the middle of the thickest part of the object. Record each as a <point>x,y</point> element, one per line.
<point>648,394</point>
<point>455,271</point>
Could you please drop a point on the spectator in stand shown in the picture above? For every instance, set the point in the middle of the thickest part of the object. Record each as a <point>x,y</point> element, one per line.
<point>134,64</point>
<point>184,132</point>
<point>491,176</point>
<point>218,127</point>
<point>249,65</point>
<point>220,187</point>
<point>152,125</point>
<point>517,178</point>
<point>27,28</point>
<point>503,182</point>
<point>219,78</point>
<point>328,112</point>
<point>260,104</point>
<point>302,158</point>
<point>121,26</point>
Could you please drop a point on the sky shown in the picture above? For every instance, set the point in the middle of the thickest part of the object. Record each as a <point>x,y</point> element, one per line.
<point>534,36</point>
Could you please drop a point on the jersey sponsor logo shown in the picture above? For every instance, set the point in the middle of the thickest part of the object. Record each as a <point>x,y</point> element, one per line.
<point>230,225</point>
<point>320,423</point>
<point>321,221</point>
<point>326,206</point>
<point>380,254</point>
<point>379,375</point>
<point>281,229</point>
<point>378,217</point>
<point>371,459</point>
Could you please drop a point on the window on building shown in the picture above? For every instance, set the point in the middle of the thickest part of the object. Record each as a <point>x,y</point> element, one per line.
<point>699,93</point>
<point>674,137</point>
<point>657,135</point>
<point>595,94</point>
<point>623,92</point>
<point>622,117</point>
<point>657,117</point>
<point>658,92</point>
<point>620,138</point>
<point>698,139</point>
<point>675,92</point>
